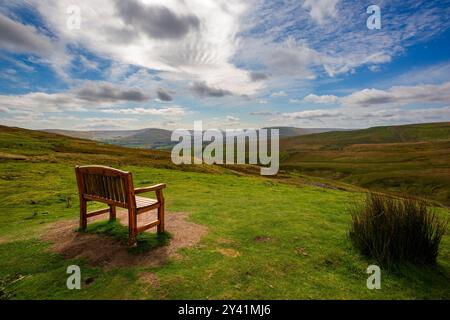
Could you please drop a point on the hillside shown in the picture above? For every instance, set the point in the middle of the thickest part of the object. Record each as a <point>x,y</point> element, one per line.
<point>369,158</point>
<point>95,135</point>
<point>294,132</point>
<point>389,134</point>
<point>412,159</point>
<point>37,146</point>
<point>152,138</point>
<point>144,138</point>
<point>279,241</point>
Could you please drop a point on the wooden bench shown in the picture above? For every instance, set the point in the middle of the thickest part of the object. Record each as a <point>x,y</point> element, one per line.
<point>115,188</point>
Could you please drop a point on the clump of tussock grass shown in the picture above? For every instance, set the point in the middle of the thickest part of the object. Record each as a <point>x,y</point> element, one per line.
<point>396,230</point>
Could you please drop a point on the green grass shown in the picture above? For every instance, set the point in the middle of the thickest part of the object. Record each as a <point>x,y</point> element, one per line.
<point>412,160</point>
<point>376,135</point>
<point>308,255</point>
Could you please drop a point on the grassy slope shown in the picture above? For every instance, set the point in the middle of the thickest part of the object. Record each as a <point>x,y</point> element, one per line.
<point>293,131</point>
<point>33,194</point>
<point>390,134</point>
<point>413,159</point>
<point>146,139</point>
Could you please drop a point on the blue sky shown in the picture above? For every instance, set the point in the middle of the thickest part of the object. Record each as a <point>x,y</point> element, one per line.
<point>233,64</point>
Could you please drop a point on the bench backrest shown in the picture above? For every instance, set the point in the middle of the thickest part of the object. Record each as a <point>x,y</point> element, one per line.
<point>105,185</point>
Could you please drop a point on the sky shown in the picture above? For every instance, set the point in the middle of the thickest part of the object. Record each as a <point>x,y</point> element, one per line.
<point>115,65</point>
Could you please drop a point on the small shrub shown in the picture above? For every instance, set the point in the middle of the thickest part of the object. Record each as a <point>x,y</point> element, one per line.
<point>393,230</point>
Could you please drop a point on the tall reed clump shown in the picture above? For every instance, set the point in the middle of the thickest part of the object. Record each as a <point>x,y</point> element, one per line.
<point>394,230</point>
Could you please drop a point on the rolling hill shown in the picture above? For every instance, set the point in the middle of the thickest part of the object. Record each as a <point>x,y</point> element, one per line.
<point>153,138</point>
<point>30,146</point>
<point>388,134</point>
<point>295,132</point>
<point>411,159</point>
<point>146,139</point>
<point>263,239</point>
<point>408,159</point>
<point>143,138</point>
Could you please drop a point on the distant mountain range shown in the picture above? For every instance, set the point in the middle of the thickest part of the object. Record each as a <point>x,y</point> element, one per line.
<point>294,132</point>
<point>152,138</point>
<point>144,138</point>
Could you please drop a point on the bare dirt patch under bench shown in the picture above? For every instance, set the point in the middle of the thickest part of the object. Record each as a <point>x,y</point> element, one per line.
<point>109,253</point>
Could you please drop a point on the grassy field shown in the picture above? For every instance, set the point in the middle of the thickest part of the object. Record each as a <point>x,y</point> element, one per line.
<point>306,253</point>
<point>412,159</point>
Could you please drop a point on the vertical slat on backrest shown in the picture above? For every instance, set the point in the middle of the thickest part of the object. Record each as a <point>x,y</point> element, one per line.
<point>91,183</point>
<point>108,186</point>
<point>119,189</point>
<point>102,185</point>
<point>97,185</point>
<point>87,183</point>
<point>122,190</point>
<point>105,184</point>
<point>114,188</point>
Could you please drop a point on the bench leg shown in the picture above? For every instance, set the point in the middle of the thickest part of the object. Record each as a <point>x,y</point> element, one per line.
<point>132,228</point>
<point>112,212</point>
<point>83,214</point>
<point>161,218</point>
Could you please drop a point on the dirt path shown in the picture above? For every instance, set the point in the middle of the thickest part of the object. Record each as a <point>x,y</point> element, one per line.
<point>106,252</point>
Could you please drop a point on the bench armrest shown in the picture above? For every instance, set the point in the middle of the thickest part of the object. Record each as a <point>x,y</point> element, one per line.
<point>157,187</point>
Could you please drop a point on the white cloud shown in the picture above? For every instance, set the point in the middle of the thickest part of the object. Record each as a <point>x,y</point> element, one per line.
<point>325,99</point>
<point>340,46</point>
<point>435,73</point>
<point>370,107</point>
<point>203,54</point>
<point>107,124</point>
<point>167,111</point>
<point>399,95</point>
<point>312,114</point>
<point>20,38</point>
<point>41,102</point>
<point>26,39</point>
<point>321,10</point>
<point>349,117</point>
<point>394,96</point>
<point>289,58</point>
<point>374,68</point>
<point>90,95</point>
<point>232,119</point>
<point>88,64</point>
<point>278,94</point>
